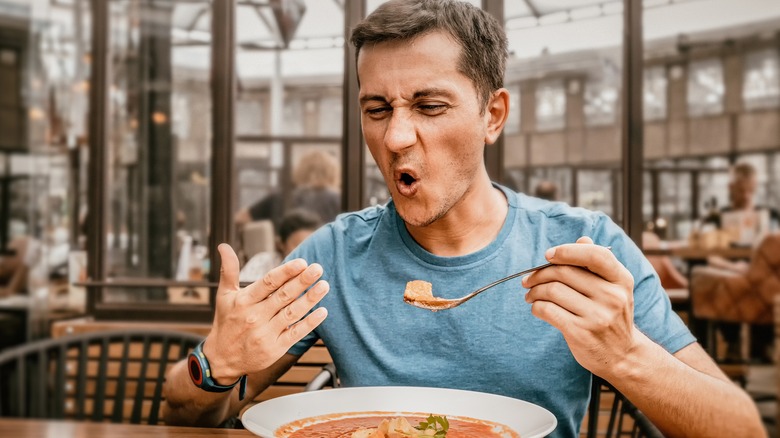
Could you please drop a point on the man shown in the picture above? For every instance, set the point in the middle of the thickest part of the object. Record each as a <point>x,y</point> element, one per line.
<point>431,96</point>
<point>546,190</point>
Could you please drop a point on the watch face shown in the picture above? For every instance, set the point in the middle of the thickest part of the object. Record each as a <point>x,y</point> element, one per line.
<point>195,372</point>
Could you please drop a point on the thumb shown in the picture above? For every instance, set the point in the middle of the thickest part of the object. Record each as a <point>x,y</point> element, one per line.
<point>228,273</point>
<point>586,240</point>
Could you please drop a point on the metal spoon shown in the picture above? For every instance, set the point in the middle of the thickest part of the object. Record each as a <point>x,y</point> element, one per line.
<point>419,293</point>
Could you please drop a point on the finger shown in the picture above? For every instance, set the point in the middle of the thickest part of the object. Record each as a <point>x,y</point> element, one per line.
<point>293,312</point>
<point>585,239</point>
<point>228,271</point>
<point>554,315</point>
<point>581,280</point>
<point>295,287</point>
<point>597,259</point>
<point>562,295</point>
<point>274,279</point>
<point>297,331</point>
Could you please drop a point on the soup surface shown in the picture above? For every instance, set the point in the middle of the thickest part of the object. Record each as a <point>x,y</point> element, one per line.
<point>344,425</point>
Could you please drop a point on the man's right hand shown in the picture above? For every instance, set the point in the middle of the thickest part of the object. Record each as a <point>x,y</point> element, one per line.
<point>254,326</point>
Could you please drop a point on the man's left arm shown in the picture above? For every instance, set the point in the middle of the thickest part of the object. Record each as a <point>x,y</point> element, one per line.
<point>588,296</point>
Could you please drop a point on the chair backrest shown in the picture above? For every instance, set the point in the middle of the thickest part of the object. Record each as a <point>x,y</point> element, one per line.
<point>112,376</point>
<point>610,414</point>
<point>257,237</point>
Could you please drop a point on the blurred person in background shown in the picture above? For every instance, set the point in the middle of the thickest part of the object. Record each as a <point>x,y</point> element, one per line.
<point>315,180</point>
<point>546,190</point>
<point>295,227</point>
<point>743,184</point>
<point>15,266</point>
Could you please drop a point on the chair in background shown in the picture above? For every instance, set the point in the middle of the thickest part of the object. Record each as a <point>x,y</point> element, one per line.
<point>257,237</point>
<point>114,376</point>
<point>747,297</point>
<point>623,419</point>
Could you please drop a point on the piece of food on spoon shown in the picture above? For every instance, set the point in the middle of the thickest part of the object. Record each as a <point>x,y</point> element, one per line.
<point>420,293</point>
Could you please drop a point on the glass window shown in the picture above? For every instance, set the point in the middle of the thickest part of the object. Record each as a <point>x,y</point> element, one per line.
<point>594,190</point>
<point>295,74</point>
<point>600,103</point>
<point>559,177</point>
<point>761,87</point>
<point>705,87</point>
<point>550,105</point>
<point>331,111</point>
<point>250,114</point>
<point>159,145</point>
<point>655,93</point>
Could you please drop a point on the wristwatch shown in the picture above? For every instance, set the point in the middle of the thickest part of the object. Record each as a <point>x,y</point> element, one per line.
<point>200,373</point>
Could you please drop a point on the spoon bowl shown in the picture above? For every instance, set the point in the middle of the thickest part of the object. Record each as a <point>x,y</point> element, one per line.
<point>419,293</point>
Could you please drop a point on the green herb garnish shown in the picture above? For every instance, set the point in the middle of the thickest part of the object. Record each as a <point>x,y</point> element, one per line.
<point>436,423</point>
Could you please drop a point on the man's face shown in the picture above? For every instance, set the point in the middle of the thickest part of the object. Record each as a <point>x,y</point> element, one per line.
<point>423,123</point>
<point>742,191</point>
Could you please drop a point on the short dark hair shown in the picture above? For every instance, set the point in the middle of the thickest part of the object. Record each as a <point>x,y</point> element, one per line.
<point>481,37</point>
<point>298,219</point>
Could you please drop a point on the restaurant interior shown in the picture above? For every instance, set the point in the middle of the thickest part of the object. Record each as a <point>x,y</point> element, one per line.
<point>137,135</point>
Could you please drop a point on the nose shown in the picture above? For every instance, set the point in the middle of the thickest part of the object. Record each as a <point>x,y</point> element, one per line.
<point>401,132</point>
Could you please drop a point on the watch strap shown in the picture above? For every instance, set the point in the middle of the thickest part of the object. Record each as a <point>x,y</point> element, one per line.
<point>200,373</point>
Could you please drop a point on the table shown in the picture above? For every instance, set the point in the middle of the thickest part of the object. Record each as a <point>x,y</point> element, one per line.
<point>702,330</point>
<point>699,254</point>
<point>23,428</point>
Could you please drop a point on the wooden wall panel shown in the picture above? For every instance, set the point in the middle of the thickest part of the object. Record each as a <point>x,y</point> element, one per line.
<point>758,130</point>
<point>602,145</point>
<point>548,148</point>
<point>655,140</point>
<point>514,151</point>
<point>575,145</point>
<point>678,138</point>
<point>709,135</point>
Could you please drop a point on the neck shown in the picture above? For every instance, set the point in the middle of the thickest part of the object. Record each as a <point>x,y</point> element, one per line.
<point>470,225</point>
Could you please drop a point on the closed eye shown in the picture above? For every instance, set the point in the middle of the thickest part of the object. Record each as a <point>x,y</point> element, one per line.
<point>377,112</point>
<point>432,109</point>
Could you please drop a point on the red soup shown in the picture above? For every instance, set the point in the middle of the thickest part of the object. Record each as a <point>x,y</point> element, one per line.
<point>344,425</point>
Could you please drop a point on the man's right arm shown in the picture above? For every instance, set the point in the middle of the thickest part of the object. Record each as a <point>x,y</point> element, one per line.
<point>186,404</point>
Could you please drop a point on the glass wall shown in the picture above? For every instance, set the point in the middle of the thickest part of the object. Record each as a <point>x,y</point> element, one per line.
<point>566,62</point>
<point>720,87</point>
<point>289,109</point>
<point>44,83</point>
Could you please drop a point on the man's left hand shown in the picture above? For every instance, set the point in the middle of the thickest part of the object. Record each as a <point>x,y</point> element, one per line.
<point>588,295</point>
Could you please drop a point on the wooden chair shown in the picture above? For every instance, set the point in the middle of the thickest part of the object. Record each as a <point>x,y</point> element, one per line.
<point>609,414</point>
<point>114,376</point>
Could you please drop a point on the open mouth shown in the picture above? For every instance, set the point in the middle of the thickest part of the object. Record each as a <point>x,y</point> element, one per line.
<point>406,183</point>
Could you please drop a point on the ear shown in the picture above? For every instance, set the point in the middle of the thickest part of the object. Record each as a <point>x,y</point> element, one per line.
<point>496,112</point>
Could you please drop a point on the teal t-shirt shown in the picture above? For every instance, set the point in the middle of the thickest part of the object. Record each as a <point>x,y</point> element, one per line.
<point>492,343</point>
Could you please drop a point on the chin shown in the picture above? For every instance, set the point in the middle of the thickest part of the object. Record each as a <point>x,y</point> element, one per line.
<point>417,217</point>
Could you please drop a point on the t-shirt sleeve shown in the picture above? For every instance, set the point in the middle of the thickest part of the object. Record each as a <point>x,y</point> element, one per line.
<point>653,314</point>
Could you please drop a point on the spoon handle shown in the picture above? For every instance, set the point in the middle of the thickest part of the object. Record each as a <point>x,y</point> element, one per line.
<point>527,271</point>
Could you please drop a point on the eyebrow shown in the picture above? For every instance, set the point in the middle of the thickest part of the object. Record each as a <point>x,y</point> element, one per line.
<point>427,92</point>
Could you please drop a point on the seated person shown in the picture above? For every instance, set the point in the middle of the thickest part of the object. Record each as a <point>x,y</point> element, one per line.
<point>671,277</point>
<point>294,228</point>
<point>546,190</point>
<point>743,185</point>
<point>432,99</point>
<point>15,266</point>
